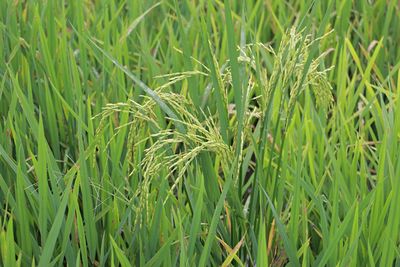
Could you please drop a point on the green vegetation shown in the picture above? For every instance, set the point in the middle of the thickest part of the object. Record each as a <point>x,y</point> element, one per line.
<point>199,133</point>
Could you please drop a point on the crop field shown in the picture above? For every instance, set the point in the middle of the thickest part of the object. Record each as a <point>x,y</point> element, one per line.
<point>199,133</point>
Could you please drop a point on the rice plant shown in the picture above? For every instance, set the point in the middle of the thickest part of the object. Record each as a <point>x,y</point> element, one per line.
<point>199,133</point>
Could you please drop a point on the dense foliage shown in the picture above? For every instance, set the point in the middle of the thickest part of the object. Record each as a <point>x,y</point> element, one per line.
<point>199,133</point>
